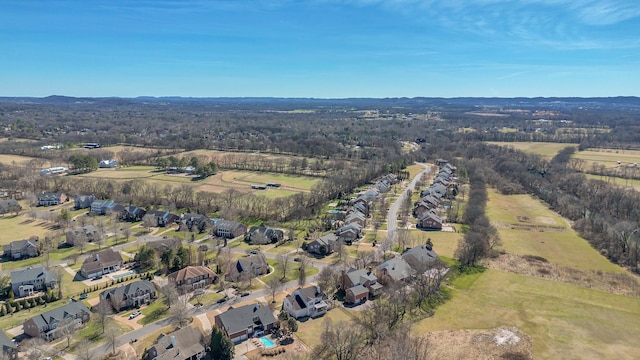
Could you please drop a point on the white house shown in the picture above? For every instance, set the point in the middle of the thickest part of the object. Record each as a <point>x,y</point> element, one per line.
<point>306,302</point>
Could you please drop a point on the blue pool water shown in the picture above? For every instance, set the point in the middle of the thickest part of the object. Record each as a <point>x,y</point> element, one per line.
<point>267,342</point>
<point>122,275</point>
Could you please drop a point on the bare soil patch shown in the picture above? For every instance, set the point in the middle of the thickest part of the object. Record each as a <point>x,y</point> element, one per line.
<point>501,343</point>
<point>614,283</point>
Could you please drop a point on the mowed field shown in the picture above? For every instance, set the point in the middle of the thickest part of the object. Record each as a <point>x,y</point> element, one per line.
<point>547,149</point>
<point>237,180</point>
<point>527,227</point>
<point>608,157</point>
<point>21,227</point>
<point>632,183</point>
<point>564,321</point>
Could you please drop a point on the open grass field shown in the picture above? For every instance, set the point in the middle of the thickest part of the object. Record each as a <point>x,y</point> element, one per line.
<point>10,159</point>
<point>21,227</point>
<point>634,184</point>
<point>564,321</point>
<point>444,243</point>
<point>527,227</point>
<point>608,157</point>
<point>225,180</point>
<point>541,148</point>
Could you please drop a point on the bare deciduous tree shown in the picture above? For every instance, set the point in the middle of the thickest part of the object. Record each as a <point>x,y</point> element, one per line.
<point>170,294</point>
<point>283,261</point>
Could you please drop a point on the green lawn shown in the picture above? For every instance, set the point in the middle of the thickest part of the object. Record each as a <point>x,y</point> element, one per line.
<point>564,321</point>
<point>616,180</point>
<point>93,331</point>
<point>444,243</point>
<point>292,270</point>
<point>207,298</point>
<point>185,235</point>
<point>155,311</point>
<point>286,180</point>
<point>56,255</point>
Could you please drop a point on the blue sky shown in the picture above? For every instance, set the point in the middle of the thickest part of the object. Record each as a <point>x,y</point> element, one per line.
<point>320,48</point>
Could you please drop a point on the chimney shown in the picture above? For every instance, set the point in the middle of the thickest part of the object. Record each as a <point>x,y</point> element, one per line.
<point>173,341</point>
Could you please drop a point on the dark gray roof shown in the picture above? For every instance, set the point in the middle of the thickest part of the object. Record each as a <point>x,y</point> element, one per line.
<point>30,274</point>
<point>189,341</point>
<point>257,260</point>
<point>238,319</point>
<point>72,309</point>
<point>143,286</point>
<point>49,196</point>
<point>358,290</point>
<point>397,268</point>
<point>420,257</point>
<point>6,343</point>
<point>96,260</point>
<point>19,245</point>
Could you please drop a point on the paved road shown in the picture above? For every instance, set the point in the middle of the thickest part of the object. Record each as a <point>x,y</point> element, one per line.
<point>392,215</point>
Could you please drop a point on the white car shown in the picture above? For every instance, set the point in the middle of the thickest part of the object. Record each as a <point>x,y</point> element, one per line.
<point>134,314</point>
<point>198,292</point>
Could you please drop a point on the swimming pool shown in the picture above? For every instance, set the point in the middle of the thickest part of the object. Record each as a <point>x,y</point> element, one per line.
<point>267,342</point>
<point>116,277</point>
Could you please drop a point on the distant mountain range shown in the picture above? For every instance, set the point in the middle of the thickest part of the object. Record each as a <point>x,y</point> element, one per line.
<point>626,102</point>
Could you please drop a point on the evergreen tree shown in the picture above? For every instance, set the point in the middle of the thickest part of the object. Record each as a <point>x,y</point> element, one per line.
<point>221,345</point>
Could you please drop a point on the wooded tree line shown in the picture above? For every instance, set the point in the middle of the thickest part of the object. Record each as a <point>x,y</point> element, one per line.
<point>481,238</point>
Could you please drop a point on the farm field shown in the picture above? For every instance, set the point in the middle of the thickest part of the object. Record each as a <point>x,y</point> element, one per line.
<point>608,157</point>
<point>527,227</point>
<point>632,183</point>
<point>564,321</point>
<point>9,159</point>
<point>225,180</point>
<point>547,149</point>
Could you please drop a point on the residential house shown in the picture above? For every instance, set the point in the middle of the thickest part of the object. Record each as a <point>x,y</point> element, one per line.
<point>349,233</point>
<point>9,347</point>
<point>441,162</point>
<point>51,199</point>
<point>420,258</point>
<point>246,321</point>
<point>100,263</point>
<point>104,207</point>
<point>132,213</point>
<point>195,222</point>
<point>438,190</point>
<point>356,217</point>
<point>131,295</point>
<point>394,270</point>
<point>49,325</point>
<point>108,164</point>
<point>323,245</point>
<point>429,221</point>
<point>229,229</point>
<point>421,208</point>
<point>9,206</point>
<point>162,218</point>
<point>359,207</point>
<point>353,281</point>
<point>88,233</point>
<point>22,249</point>
<point>26,281</point>
<point>306,302</point>
<point>186,343</point>
<point>83,201</point>
<point>263,235</point>
<point>161,245</point>
<point>383,186</point>
<point>253,265</point>
<point>192,277</point>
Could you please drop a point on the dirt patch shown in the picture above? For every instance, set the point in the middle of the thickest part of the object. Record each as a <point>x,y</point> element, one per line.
<point>501,343</point>
<point>620,284</point>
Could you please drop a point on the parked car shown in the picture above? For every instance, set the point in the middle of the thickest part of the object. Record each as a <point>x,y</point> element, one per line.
<point>134,314</point>
<point>221,300</point>
<point>84,296</point>
<point>253,252</point>
<point>198,292</point>
<point>244,294</point>
<point>297,259</point>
